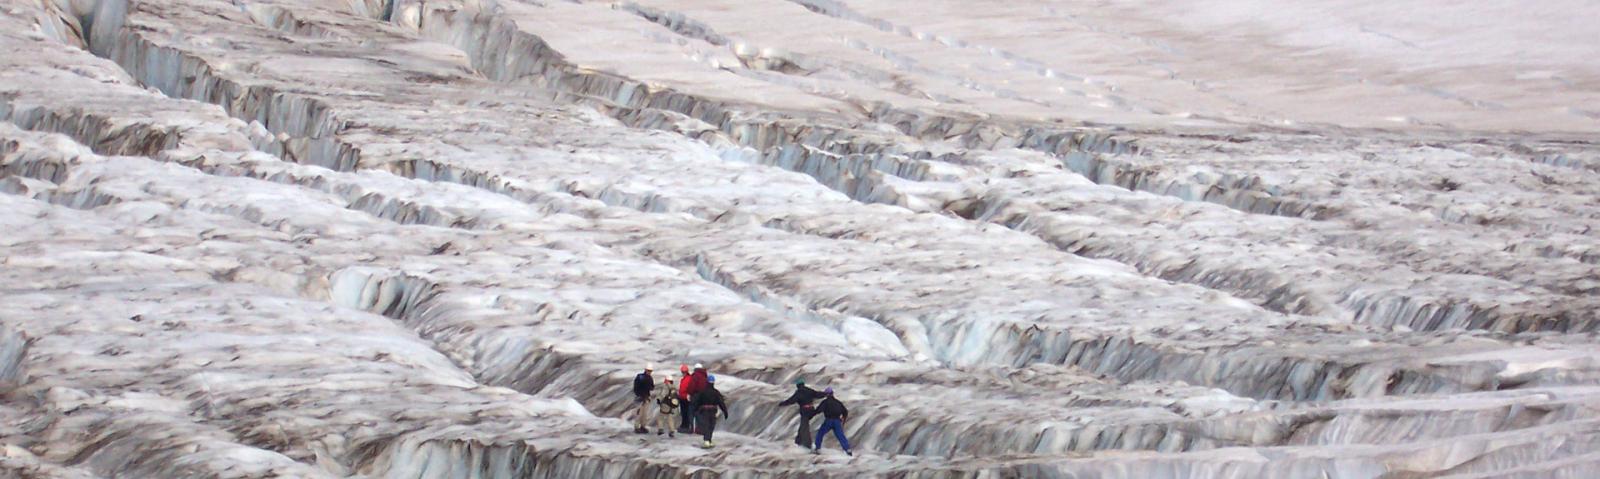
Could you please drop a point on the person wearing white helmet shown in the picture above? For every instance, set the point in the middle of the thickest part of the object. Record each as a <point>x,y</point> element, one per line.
<point>643,384</point>
<point>692,388</point>
<point>668,406</point>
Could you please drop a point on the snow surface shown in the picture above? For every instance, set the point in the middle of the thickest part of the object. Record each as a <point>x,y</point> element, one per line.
<point>406,238</point>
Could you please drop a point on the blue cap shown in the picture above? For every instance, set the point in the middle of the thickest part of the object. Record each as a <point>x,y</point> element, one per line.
<point>710,378</point>
<point>827,391</point>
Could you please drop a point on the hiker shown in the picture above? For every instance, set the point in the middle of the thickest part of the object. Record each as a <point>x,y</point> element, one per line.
<point>692,387</point>
<point>669,405</point>
<point>686,422</point>
<point>803,396</point>
<point>833,417</point>
<point>642,385</point>
<point>706,404</point>
<point>698,379</point>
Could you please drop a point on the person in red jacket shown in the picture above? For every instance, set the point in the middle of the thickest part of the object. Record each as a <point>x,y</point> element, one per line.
<point>697,380</point>
<point>685,424</point>
<point>692,386</point>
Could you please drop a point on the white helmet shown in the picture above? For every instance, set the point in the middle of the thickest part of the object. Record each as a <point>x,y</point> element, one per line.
<point>649,367</point>
<point>699,366</point>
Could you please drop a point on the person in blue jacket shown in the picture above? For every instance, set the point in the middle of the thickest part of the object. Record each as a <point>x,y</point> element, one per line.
<point>643,384</point>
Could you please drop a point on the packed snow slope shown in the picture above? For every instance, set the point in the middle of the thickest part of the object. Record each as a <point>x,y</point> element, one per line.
<point>437,239</point>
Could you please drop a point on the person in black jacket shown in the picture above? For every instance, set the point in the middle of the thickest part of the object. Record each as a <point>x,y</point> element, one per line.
<point>643,384</point>
<point>803,396</point>
<point>706,404</point>
<point>833,417</point>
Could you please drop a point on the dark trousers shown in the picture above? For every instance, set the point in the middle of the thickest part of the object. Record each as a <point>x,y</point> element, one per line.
<point>835,425</point>
<point>802,437</point>
<point>708,422</point>
<point>687,412</point>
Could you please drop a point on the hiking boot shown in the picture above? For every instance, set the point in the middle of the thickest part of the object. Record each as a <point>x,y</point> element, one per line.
<point>815,451</point>
<point>640,430</point>
<point>658,432</point>
<point>851,454</point>
<point>671,434</point>
<point>707,445</point>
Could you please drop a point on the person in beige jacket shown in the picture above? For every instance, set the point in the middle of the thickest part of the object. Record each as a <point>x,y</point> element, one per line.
<point>667,404</point>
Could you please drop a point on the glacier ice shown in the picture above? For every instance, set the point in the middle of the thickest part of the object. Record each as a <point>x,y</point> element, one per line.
<point>400,238</point>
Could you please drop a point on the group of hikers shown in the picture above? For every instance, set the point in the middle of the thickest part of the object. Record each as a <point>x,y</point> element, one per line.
<point>696,401</point>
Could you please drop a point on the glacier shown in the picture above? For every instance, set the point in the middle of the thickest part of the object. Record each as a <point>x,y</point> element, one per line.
<point>437,238</point>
